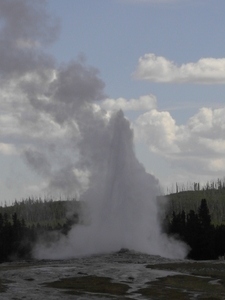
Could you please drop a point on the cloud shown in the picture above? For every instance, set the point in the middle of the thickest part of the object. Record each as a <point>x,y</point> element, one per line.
<point>197,146</point>
<point>45,118</point>
<point>7,149</point>
<point>146,102</point>
<point>25,25</point>
<point>159,69</point>
<point>46,109</point>
<point>159,130</point>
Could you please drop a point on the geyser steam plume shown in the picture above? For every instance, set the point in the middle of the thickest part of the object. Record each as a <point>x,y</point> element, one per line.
<point>122,205</point>
<point>50,118</point>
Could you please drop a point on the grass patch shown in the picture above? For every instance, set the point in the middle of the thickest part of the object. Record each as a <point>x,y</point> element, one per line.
<point>208,268</point>
<point>90,284</point>
<point>205,280</point>
<point>183,287</point>
<point>16,266</point>
<point>155,292</point>
<point>3,285</point>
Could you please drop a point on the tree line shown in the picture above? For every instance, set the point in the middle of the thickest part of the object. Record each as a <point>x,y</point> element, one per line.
<point>191,200</point>
<point>218,184</point>
<point>22,224</point>
<point>17,239</point>
<point>44,212</point>
<point>205,240</point>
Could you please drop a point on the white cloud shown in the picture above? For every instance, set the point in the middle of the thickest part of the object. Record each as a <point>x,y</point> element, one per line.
<point>7,149</point>
<point>144,103</point>
<point>26,43</point>
<point>159,69</point>
<point>208,123</point>
<point>217,165</point>
<point>39,116</point>
<point>197,146</point>
<point>158,129</point>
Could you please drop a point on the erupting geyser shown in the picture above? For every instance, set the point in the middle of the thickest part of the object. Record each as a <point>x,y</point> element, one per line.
<point>121,201</point>
<point>52,118</point>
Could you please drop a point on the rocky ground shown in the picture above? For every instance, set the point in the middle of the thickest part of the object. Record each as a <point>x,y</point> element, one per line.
<point>122,275</point>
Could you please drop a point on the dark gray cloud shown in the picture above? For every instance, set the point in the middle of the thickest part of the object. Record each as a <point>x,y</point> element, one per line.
<point>74,87</point>
<point>24,27</point>
<point>65,181</point>
<point>78,83</point>
<point>37,161</point>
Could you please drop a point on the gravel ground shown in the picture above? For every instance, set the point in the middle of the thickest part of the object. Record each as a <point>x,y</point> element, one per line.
<point>27,278</point>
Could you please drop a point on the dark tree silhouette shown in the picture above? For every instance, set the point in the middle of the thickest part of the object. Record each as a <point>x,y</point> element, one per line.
<point>196,230</point>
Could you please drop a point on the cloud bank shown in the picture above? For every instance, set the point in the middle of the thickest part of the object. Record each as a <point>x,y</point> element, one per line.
<point>43,104</point>
<point>197,146</point>
<point>159,69</point>
<point>144,103</point>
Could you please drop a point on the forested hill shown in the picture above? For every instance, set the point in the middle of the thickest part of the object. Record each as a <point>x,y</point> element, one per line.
<point>197,217</point>
<point>44,212</point>
<point>51,212</point>
<point>191,200</point>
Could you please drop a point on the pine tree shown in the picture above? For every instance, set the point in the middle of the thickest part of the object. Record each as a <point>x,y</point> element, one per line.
<point>204,216</point>
<point>206,237</point>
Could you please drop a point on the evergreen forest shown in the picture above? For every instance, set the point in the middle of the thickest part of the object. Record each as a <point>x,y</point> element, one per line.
<point>196,216</point>
<point>24,223</point>
<point>205,240</point>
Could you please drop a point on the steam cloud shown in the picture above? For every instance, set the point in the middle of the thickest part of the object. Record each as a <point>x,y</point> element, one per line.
<point>75,146</point>
<point>121,200</point>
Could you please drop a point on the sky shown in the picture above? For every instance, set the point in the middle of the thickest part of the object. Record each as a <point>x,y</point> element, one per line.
<point>161,61</point>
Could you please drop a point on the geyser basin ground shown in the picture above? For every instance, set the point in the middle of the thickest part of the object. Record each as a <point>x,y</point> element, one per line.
<point>127,275</point>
